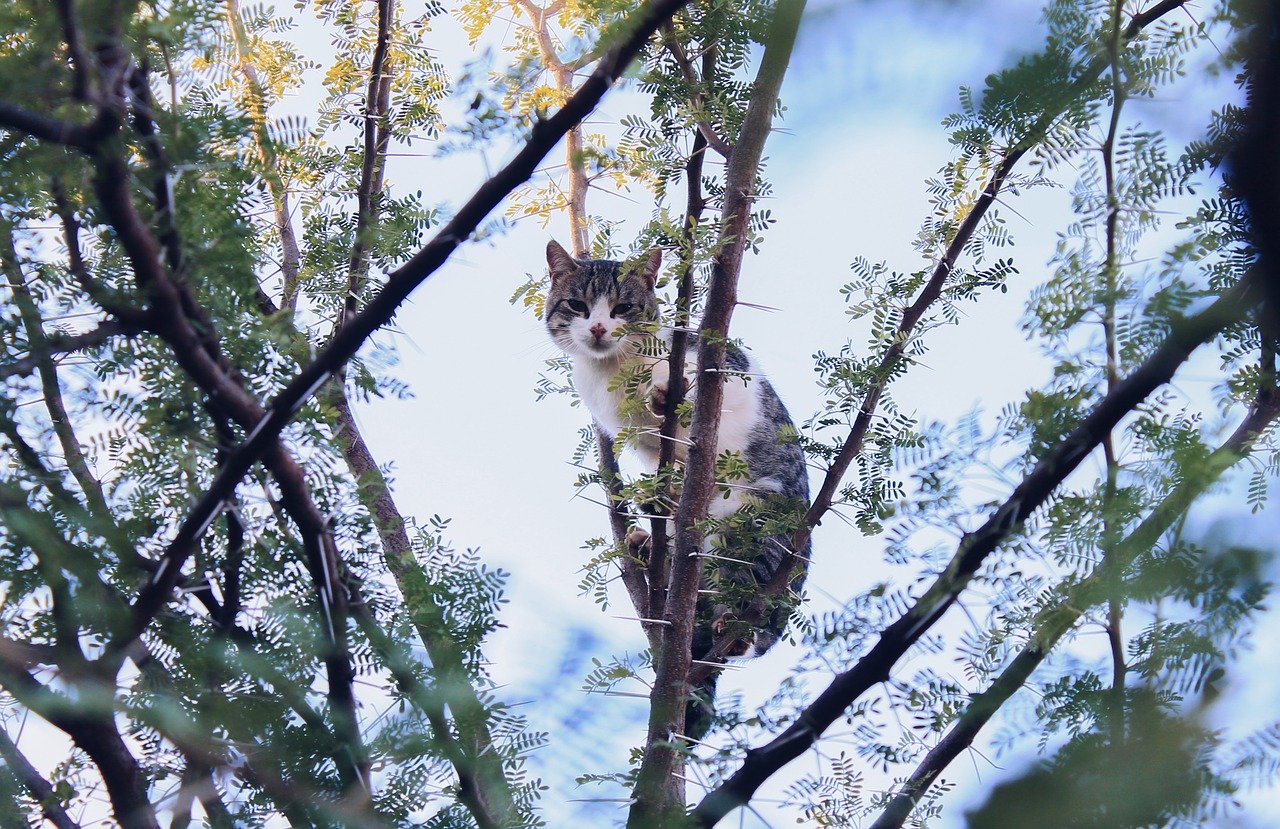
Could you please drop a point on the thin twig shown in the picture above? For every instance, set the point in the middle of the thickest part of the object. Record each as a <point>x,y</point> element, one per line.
<point>699,102</point>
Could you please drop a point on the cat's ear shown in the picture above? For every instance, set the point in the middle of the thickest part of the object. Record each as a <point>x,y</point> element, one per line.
<point>559,262</point>
<point>652,262</point>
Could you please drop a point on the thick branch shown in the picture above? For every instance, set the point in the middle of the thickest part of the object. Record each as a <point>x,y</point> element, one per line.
<point>974,548</point>
<point>376,137</point>
<point>482,784</point>
<point>184,326</point>
<point>667,702</point>
<point>92,728</point>
<point>82,87</point>
<point>78,136</point>
<point>1255,170</point>
<point>658,570</point>
<point>1059,619</point>
<point>40,789</point>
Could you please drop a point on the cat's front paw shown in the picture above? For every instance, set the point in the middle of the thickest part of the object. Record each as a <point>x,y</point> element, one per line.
<point>727,625</point>
<point>658,397</point>
<point>638,544</point>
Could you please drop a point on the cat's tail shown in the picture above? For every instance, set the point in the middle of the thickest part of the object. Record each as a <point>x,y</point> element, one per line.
<point>700,710</point>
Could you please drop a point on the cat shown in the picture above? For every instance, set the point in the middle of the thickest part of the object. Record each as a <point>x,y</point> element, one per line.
<point>603,314</point>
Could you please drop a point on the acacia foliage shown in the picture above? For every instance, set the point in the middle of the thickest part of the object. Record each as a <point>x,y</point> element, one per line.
<point>235,706</point>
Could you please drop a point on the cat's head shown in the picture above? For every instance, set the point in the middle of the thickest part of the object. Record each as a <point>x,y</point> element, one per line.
<point>594,304</point>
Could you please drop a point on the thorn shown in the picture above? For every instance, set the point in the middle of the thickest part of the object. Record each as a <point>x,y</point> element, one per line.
<point>306,395</point>
<point>159,574</point>
<point>691,740</point>
<point>213,516</point>
<point>721,558</point>
<point>746,304</point>
<point>691,780</point>
<point>642,619</point>
<point>726,665</point>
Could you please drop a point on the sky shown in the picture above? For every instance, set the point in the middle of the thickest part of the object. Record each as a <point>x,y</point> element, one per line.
<point>867,88</point>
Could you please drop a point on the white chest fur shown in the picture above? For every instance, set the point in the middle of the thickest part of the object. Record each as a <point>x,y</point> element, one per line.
<point>592,379</point>
<point>597,383</point>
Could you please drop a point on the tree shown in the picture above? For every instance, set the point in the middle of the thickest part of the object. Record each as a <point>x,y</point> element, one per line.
<point>210,587</point>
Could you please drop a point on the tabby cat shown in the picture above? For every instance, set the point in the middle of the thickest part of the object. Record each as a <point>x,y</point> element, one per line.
<point>603,314</point>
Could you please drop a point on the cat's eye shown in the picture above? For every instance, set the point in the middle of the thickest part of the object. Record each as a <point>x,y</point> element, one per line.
<point>622,308</point>
<point>578,306</point>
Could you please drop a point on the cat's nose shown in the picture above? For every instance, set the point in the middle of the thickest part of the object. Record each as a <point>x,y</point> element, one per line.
<point>598,330</point>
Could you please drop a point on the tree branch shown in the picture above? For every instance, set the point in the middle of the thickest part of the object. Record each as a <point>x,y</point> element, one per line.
<point>482,783</point>
<point>97,518</point>
<point>33,324</point>
<point>77,136</point>
<point>92,728</point>
<point>290,256</point>
<point>482,787</point>
<point>653,795</point>
<point>181,322</point>
<point>875,666</point>
<point>376,137</point>
<point>1060,618</point>
<point>1110,277</point>
<point>854,443</point>
<point>579,241</point>
<point>659,576</point>
<point>35,783</point>
<point>130,315</point>
<point>82,84</point>
<point>1254,168</point>
<point>302,804</point>
<point>55,344</point>
<point>696,98</point>
<point>192,350</point>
